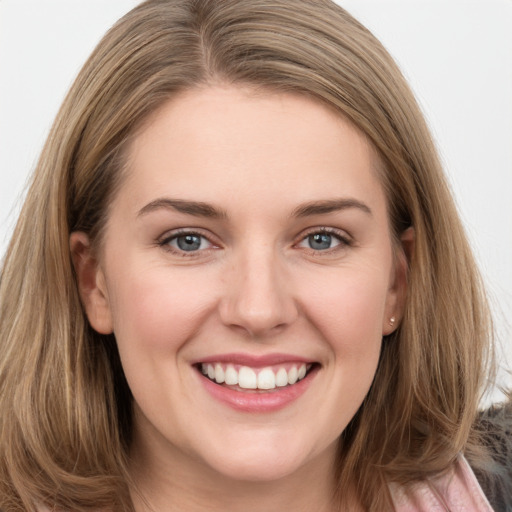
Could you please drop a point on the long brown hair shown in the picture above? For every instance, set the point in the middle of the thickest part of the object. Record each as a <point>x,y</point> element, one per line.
<point>65,407</point>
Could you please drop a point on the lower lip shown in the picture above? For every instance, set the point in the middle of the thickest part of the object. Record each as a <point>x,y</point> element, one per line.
<point>258,401</point>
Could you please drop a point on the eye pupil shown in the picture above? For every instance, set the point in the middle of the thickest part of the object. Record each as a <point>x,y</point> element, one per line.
<point>189,242</point>
<point>320,241</point>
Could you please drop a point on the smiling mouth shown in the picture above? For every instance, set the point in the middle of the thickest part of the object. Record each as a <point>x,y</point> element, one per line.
<point>248,379</point>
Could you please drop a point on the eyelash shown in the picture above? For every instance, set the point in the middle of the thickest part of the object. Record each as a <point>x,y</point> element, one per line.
<point>167,239</point>
<point>343,239</point>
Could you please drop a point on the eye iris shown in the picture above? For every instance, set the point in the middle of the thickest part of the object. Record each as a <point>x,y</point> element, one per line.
<point>320,241</point>
<point>189,242</point>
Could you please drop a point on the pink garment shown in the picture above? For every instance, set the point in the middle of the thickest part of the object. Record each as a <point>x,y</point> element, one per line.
<point>456,491</point>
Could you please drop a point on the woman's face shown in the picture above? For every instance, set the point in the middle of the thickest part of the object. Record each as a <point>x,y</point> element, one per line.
<point>249,241</point>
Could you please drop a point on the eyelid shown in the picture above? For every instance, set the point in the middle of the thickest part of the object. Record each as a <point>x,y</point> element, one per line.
<point>165,239</point>
<point>345,240</point>
<point>342,236</point>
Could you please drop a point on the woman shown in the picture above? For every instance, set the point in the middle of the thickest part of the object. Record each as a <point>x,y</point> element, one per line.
<point>239,280</point>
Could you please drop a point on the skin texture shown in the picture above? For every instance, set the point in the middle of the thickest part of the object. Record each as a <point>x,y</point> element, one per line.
<point>255,287</point>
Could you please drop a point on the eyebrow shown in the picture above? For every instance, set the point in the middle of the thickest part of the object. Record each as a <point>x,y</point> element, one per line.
<point>195,208</point>
<point>326,206</point>
<point>201,209</point>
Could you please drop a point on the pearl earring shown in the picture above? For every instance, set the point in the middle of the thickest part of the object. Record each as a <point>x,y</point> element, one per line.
<point>392,321</point>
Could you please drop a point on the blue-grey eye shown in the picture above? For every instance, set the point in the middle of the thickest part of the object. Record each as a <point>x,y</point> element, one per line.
<point>320,241</point>
<point>189,242</point>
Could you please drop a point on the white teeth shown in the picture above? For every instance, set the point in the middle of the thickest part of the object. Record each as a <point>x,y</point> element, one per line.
<point>219,374</point>
<point>231,376</point>
<point>293,375</point>
<point>266,379</point>
<point>249,378</point>
<point>281,378</point>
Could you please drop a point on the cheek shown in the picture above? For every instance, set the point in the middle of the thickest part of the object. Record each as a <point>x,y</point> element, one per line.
<point>158,309</point>
<point>346,310</point>
<point>156,312</point>
<point>349,308</point>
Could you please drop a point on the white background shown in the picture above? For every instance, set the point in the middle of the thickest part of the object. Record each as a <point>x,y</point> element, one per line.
<point>456,54</point>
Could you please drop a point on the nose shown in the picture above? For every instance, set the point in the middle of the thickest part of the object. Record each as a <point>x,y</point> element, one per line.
<point>258,298</point>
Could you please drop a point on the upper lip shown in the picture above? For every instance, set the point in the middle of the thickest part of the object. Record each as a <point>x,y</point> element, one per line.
<point>254,361</point>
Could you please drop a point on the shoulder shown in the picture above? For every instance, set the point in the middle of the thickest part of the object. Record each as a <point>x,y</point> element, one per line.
<point>456,491</point>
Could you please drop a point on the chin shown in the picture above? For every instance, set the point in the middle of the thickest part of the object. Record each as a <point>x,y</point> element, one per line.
<point>261,460</point>
<point>257,470</point>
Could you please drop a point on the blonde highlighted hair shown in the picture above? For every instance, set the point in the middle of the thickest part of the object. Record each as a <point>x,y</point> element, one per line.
<point>65,407</point>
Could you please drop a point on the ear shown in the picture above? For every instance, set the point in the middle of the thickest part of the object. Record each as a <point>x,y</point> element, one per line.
<point>91,283</point>
<point>395,303</point>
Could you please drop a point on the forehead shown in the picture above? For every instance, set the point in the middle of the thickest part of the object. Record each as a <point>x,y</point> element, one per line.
<point>223,142</point>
